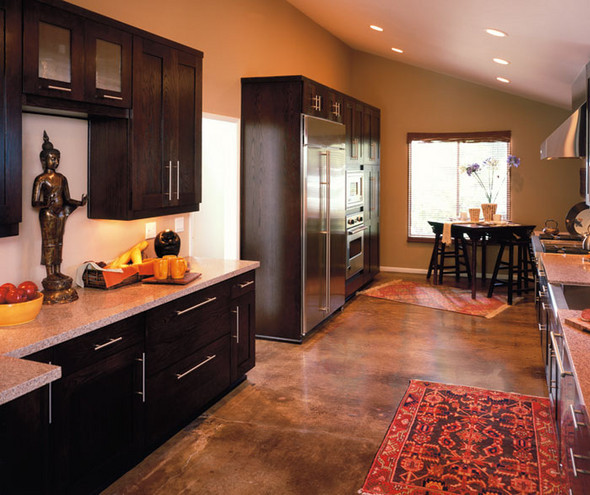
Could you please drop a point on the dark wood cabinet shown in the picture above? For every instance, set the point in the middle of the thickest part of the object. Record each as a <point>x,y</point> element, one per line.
<point>71,57</point>
<point>24,444</point>
<point>166,127</point>
<point>108,65</point>
<point>97,407</point>
<point>353,120</point>
<point>371,216</point>
<point>125,389</point>
<point>150,165</point>
<point>10,121</point>
<point>242,304</point>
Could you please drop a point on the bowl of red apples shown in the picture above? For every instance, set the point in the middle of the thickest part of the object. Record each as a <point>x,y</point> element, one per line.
<point>19,303</point>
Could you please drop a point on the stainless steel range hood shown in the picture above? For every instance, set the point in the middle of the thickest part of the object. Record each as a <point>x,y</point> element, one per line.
<point>569,139</point>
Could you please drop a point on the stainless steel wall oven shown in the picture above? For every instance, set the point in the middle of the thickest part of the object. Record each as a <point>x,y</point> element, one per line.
<point>355,243</point>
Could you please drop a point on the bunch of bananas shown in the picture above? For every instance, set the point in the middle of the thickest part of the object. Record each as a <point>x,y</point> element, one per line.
<point>132,255</point>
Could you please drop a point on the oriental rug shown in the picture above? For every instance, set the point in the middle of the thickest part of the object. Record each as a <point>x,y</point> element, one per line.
<point>465,440</point>
<point>439,297</point>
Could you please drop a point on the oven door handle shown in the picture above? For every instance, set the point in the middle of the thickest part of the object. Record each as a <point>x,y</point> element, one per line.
<point>357,230</point>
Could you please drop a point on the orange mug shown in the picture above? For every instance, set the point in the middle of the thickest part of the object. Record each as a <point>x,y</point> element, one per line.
<point>177,267</point>
<point>161,268</point>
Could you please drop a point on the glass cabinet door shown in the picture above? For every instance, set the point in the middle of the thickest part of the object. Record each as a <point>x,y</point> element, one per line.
<point>53,58</point>
<point>108,65</point>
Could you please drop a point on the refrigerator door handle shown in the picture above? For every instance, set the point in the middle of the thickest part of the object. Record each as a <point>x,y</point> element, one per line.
<point>329,236</point>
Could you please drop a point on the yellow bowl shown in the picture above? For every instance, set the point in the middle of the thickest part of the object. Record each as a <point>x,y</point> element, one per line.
<point>18,313</point>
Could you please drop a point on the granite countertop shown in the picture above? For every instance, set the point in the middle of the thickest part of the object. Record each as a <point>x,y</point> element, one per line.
<point>572,269</point>
<point>94,309</point>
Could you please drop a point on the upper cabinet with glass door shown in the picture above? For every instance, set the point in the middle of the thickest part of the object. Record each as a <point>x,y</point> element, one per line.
<point>69,57</point>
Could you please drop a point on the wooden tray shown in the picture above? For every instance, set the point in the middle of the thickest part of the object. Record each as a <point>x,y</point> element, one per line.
<point>188,277</point>
<point>578,323</point>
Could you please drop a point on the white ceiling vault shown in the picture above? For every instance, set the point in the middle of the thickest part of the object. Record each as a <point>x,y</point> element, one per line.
<point>548,41</point>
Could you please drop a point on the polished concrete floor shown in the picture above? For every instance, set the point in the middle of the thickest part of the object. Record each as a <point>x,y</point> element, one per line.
<point>310,417</point>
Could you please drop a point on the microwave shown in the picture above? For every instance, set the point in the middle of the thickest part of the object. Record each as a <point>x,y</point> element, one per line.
<point>355,186</point>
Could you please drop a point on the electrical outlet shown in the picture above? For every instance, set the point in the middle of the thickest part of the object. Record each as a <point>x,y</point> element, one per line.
<point>179,224</point>
<point>150,230</point>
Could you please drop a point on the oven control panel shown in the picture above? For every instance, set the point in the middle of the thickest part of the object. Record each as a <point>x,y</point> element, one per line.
<point>354,220</point>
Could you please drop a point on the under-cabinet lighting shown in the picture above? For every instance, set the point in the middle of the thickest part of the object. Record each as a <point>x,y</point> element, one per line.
<point>496,32</point>
<point>501,61</point>
<point>397,50</point>
<point>503,80</point>
<point>376,28</point>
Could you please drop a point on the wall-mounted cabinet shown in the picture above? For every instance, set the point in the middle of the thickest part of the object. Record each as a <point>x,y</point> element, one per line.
<point>150,165</point>
<point>10,121</point>
<point>69,57</point>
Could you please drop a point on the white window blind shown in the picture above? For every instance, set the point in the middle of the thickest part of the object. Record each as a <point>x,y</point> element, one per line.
<point>440,187</point>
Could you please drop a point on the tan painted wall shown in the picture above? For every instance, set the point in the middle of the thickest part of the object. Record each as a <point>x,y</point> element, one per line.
<point>416,100</point>
<point>269,37</point>
<point>240,38</point>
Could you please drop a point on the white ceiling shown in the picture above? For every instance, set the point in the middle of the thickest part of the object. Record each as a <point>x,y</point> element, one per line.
<point>548,41</point>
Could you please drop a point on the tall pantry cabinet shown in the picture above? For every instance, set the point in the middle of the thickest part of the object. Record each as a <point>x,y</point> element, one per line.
<point>271,189</point>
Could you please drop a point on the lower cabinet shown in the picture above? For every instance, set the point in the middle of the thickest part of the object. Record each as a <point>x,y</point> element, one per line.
<point>97,407</point>
<point>24,444</point>
<point>125,389</point>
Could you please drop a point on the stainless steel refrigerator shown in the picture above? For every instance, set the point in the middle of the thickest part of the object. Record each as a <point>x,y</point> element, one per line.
<point>292,208</point>
<point>323,176</point>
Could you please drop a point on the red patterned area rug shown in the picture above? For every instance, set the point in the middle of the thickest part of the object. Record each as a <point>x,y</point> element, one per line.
<point>439,297</point>
<point>466,440</point>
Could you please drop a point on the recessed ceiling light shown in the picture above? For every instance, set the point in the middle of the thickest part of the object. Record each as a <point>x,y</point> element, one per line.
<point>397,50</point>
<point>496,32</point>
<point>376,28</point>
<point>503,80</point>
<point>501,61</point>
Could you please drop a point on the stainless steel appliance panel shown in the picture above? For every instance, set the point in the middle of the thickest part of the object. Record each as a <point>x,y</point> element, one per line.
<point>323,236</point>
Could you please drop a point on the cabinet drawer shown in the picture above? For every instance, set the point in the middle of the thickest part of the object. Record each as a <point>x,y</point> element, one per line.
<point>243,284</point>
<point>180,327</point>
<point>177,394</point>
<point>97,345</point>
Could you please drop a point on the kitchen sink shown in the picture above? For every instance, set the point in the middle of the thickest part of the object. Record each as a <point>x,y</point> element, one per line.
<point>576,296</point>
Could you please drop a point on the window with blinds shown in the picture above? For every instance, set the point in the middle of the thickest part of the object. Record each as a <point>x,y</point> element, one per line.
<point>440,184</point>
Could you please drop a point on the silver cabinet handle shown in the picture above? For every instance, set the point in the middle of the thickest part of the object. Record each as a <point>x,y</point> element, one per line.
<point>574,412</point>
<point>237,335</point>
<point>542,327</point>
<point>142,361</point>
<point>182,311</point>
<point>59,88</point>
<point>573,458</point>
<point>182,375</point>
<point>246,284</point>
<point>111,97</point>
<point>177,179</point>
<point>97,347</point>
<point>562,372</point>
<point>169,180</point>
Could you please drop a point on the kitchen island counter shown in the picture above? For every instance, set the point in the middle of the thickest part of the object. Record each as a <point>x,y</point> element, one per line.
<point>94,309</point>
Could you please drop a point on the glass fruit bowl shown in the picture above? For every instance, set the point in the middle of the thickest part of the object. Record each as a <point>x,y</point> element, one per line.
<point>23,312</point>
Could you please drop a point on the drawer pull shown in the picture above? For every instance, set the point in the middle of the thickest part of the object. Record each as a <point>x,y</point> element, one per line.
<point>237,335</point>
<point>182,375</point>
<point>574,412</point>
<point>573,458</point>
<point>97,347</point>
<point>246,284</point>
<point>142,361</point>
<point>111,97</point>
<point>182,311</point>
<point>59,88</point>
<point>562,372</point>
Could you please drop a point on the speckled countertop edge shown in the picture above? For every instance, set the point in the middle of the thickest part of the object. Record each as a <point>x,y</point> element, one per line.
<point>94,309</point>
<point>572,269</point>
<point>19,377</point>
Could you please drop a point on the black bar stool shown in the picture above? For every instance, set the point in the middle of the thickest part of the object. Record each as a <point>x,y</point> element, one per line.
<point>440,252</point>
<point>520,272</point>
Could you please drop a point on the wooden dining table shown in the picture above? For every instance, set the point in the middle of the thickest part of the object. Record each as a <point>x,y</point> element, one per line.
<point>476,232</point>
